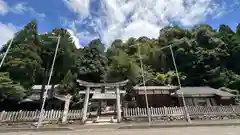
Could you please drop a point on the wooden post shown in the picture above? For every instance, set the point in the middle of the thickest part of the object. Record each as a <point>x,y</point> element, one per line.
<point>85,107</point>
<point>118,104</point>
<point>1,115</point>
<point>66,108</point>
<point>165,111</point>
<point>232,108</point>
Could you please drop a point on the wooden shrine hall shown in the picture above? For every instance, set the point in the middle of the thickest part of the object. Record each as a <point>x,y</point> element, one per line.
<point>170,96</point>
<point>158,96</point>
<point>103,95</point>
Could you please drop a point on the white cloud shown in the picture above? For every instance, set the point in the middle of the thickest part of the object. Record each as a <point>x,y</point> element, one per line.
<point>6,32</point>
<point>3,7</point>
<point>79,6</point>
<point>19,8</point>
<point>85,37</point>
<point>72,31</point>
<point>74,38</point>
<point>78,37</point>
<point>36,14</point>
<point>134,18</point>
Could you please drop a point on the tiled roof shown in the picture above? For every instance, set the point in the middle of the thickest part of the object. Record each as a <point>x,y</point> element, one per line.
<point>203,91</point>
<point>156,87</point>
<point>35,96</point>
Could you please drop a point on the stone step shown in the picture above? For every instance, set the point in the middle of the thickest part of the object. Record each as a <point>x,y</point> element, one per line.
<point>104,119</point>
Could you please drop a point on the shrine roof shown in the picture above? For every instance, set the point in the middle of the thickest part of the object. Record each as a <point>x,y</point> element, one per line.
<point>36,89</point>
<point>36,97</point>
<point>204,90</point>
<point>156,87</point>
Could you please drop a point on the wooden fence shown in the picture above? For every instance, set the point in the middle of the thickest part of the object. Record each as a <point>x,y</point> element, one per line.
<point>165,113</point>
<point>195,112</point>
<point>27,116</point>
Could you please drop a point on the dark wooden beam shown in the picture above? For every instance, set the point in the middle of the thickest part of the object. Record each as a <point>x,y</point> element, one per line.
<point>91,84</point>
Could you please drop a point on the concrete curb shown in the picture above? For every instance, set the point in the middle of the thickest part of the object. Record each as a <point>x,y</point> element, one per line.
<point>147,126</point>
<point>177,125</point>
<point>8,130</point>
<point>120,126</point>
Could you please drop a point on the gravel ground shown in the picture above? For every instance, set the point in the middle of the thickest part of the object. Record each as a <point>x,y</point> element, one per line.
<point>227,130</point>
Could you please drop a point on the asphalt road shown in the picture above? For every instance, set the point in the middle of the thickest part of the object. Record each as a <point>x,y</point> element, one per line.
<point>223,130</point>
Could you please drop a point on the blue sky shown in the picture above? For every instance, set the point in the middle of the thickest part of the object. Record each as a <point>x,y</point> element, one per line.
<point>114,19</point>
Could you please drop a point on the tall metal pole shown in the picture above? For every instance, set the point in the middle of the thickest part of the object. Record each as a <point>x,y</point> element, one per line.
<point>5,54</point>
<point>179,83</point>
<point>185,108</point>
<point>144,84</point>
<point>49,80</point>
<point>175,66</point>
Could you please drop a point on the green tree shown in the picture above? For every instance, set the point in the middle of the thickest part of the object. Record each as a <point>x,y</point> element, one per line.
<point>23,61</point>
<point>9,89</point>
<point>68,84</point>
<point>65,58</point>
<point>122,67</point>
<point>91,62</point>
<point>204,56</point>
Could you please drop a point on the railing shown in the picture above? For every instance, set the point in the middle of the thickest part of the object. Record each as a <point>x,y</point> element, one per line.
<point>27,116</point>
<point>162,113</point>
<point>195,112</point>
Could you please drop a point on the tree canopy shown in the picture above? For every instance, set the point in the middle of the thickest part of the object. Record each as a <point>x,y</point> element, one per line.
<point>9,89</point>
<point>204,56</point>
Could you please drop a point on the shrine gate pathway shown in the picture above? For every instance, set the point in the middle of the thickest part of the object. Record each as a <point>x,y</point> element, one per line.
<point>222,130</point>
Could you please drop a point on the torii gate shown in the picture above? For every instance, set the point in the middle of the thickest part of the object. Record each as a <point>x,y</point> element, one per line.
<point>90,85</point>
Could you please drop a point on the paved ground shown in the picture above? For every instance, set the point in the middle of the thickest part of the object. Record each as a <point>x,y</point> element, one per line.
<point>227,130</point>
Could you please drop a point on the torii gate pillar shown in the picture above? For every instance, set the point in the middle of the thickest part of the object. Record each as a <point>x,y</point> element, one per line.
<point>85,107</point>
<point>118,103</point>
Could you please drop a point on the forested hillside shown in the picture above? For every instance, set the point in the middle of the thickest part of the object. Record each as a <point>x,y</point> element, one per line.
<point>204,56</point>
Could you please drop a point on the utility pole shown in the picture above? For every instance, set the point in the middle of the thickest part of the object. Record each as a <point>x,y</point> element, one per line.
<point>5,54</point>
<point>144,84</point>
<point>185,108</point>
<point>175,66</point>
<point>179,83</point>
<point>48,83</point>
